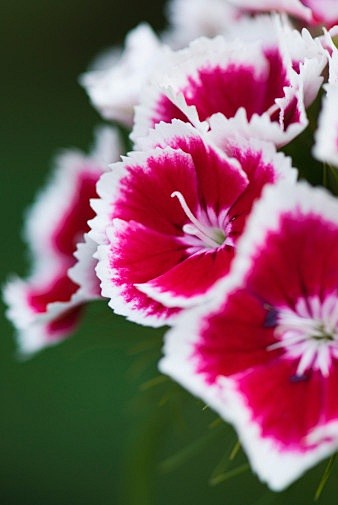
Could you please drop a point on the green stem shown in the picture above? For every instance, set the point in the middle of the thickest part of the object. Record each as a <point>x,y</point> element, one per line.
<point>235,472</point>
<point>175,461</point>
<point>325,477</point>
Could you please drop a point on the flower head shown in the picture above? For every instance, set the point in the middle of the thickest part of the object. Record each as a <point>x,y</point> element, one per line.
<point>115,89</point>
<point>313,12</point>
<point>264,353</point>
<point>190,19</point>
<point>326,145</point>
<point>267,78</point>
<point>170,216</point>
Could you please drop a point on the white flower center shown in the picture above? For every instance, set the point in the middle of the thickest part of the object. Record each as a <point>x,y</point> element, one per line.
<point>211,235</point>
<point>309,334</point>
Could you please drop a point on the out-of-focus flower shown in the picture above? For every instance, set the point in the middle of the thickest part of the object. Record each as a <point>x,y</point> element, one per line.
<point>190,19</point>
<point>267,78</point>
<point>326,145</point>
<point>169,218</point>
<point>116,78</point>
<point>312,12</point>
<point>114,84</point>
<point>46,307</point>
<point>264,352</point>
<point>324,12</point>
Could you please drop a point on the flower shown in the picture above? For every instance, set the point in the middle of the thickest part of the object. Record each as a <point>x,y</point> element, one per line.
<point>116,79</point>
<point>313,12</point>
<point>46,307</point>
<point>326,138</point>
<point>264,352</point>
<point>190,19</point>
<point>114,87</point>
<point>169,217</point>
<point>267,78</point>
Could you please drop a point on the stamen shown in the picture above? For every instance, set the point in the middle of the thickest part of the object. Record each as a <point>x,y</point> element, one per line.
<point>211,237</point>
<point>286,341</point>
<point>308,334</point>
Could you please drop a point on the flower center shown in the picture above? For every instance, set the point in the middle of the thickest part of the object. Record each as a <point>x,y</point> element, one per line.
<point>211,236</point>
<point>309,334</point>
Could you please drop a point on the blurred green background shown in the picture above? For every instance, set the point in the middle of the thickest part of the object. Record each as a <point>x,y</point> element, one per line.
<point>89,422</point>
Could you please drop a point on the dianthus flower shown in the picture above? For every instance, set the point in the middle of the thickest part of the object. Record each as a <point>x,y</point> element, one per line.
<point>115,80</point>
<point>326,145</point>
<point>266,78</point>
<point>189,19</point>
<point>312,12</point>
<point>169,217</point>
<point>114,85</point>
<point>46,307</point>
<point>264,352</point>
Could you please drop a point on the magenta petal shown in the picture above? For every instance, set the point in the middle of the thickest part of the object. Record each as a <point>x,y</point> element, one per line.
<point>246,323</point>
<point>74,221</point>
<point>295,262</point>
<point>191,167</point>
<point>136,254</point>
<point>44,311</point>
<point>220,178</point>
<point>60,327</point>
<point>190,279</point>
<point>59,289</point>
<point>287,417</point>
<point>149,186</point>
<point>260,172</point>
<point>225,90</point>
<point>166,111</point>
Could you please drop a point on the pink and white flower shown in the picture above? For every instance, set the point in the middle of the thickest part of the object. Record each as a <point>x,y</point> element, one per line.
<point>45,308</point>
<point>114,87</point>
<point>267,78</point>
<point>326,138</point>
<point>190,19</point>
<point>264,352</point>
<point>313,12</point>
<point>169,218</point>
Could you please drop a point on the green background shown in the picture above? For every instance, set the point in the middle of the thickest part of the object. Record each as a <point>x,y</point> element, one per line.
<point>80,424</point>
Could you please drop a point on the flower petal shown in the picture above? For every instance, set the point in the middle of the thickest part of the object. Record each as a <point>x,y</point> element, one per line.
<point>326,138</point>
<point>115,89</point>
<point>39,321</point>
<point>190,19</point>
<point>134,254</point>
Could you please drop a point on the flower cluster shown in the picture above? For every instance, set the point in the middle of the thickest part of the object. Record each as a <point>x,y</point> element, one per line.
<point>206,226</point>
